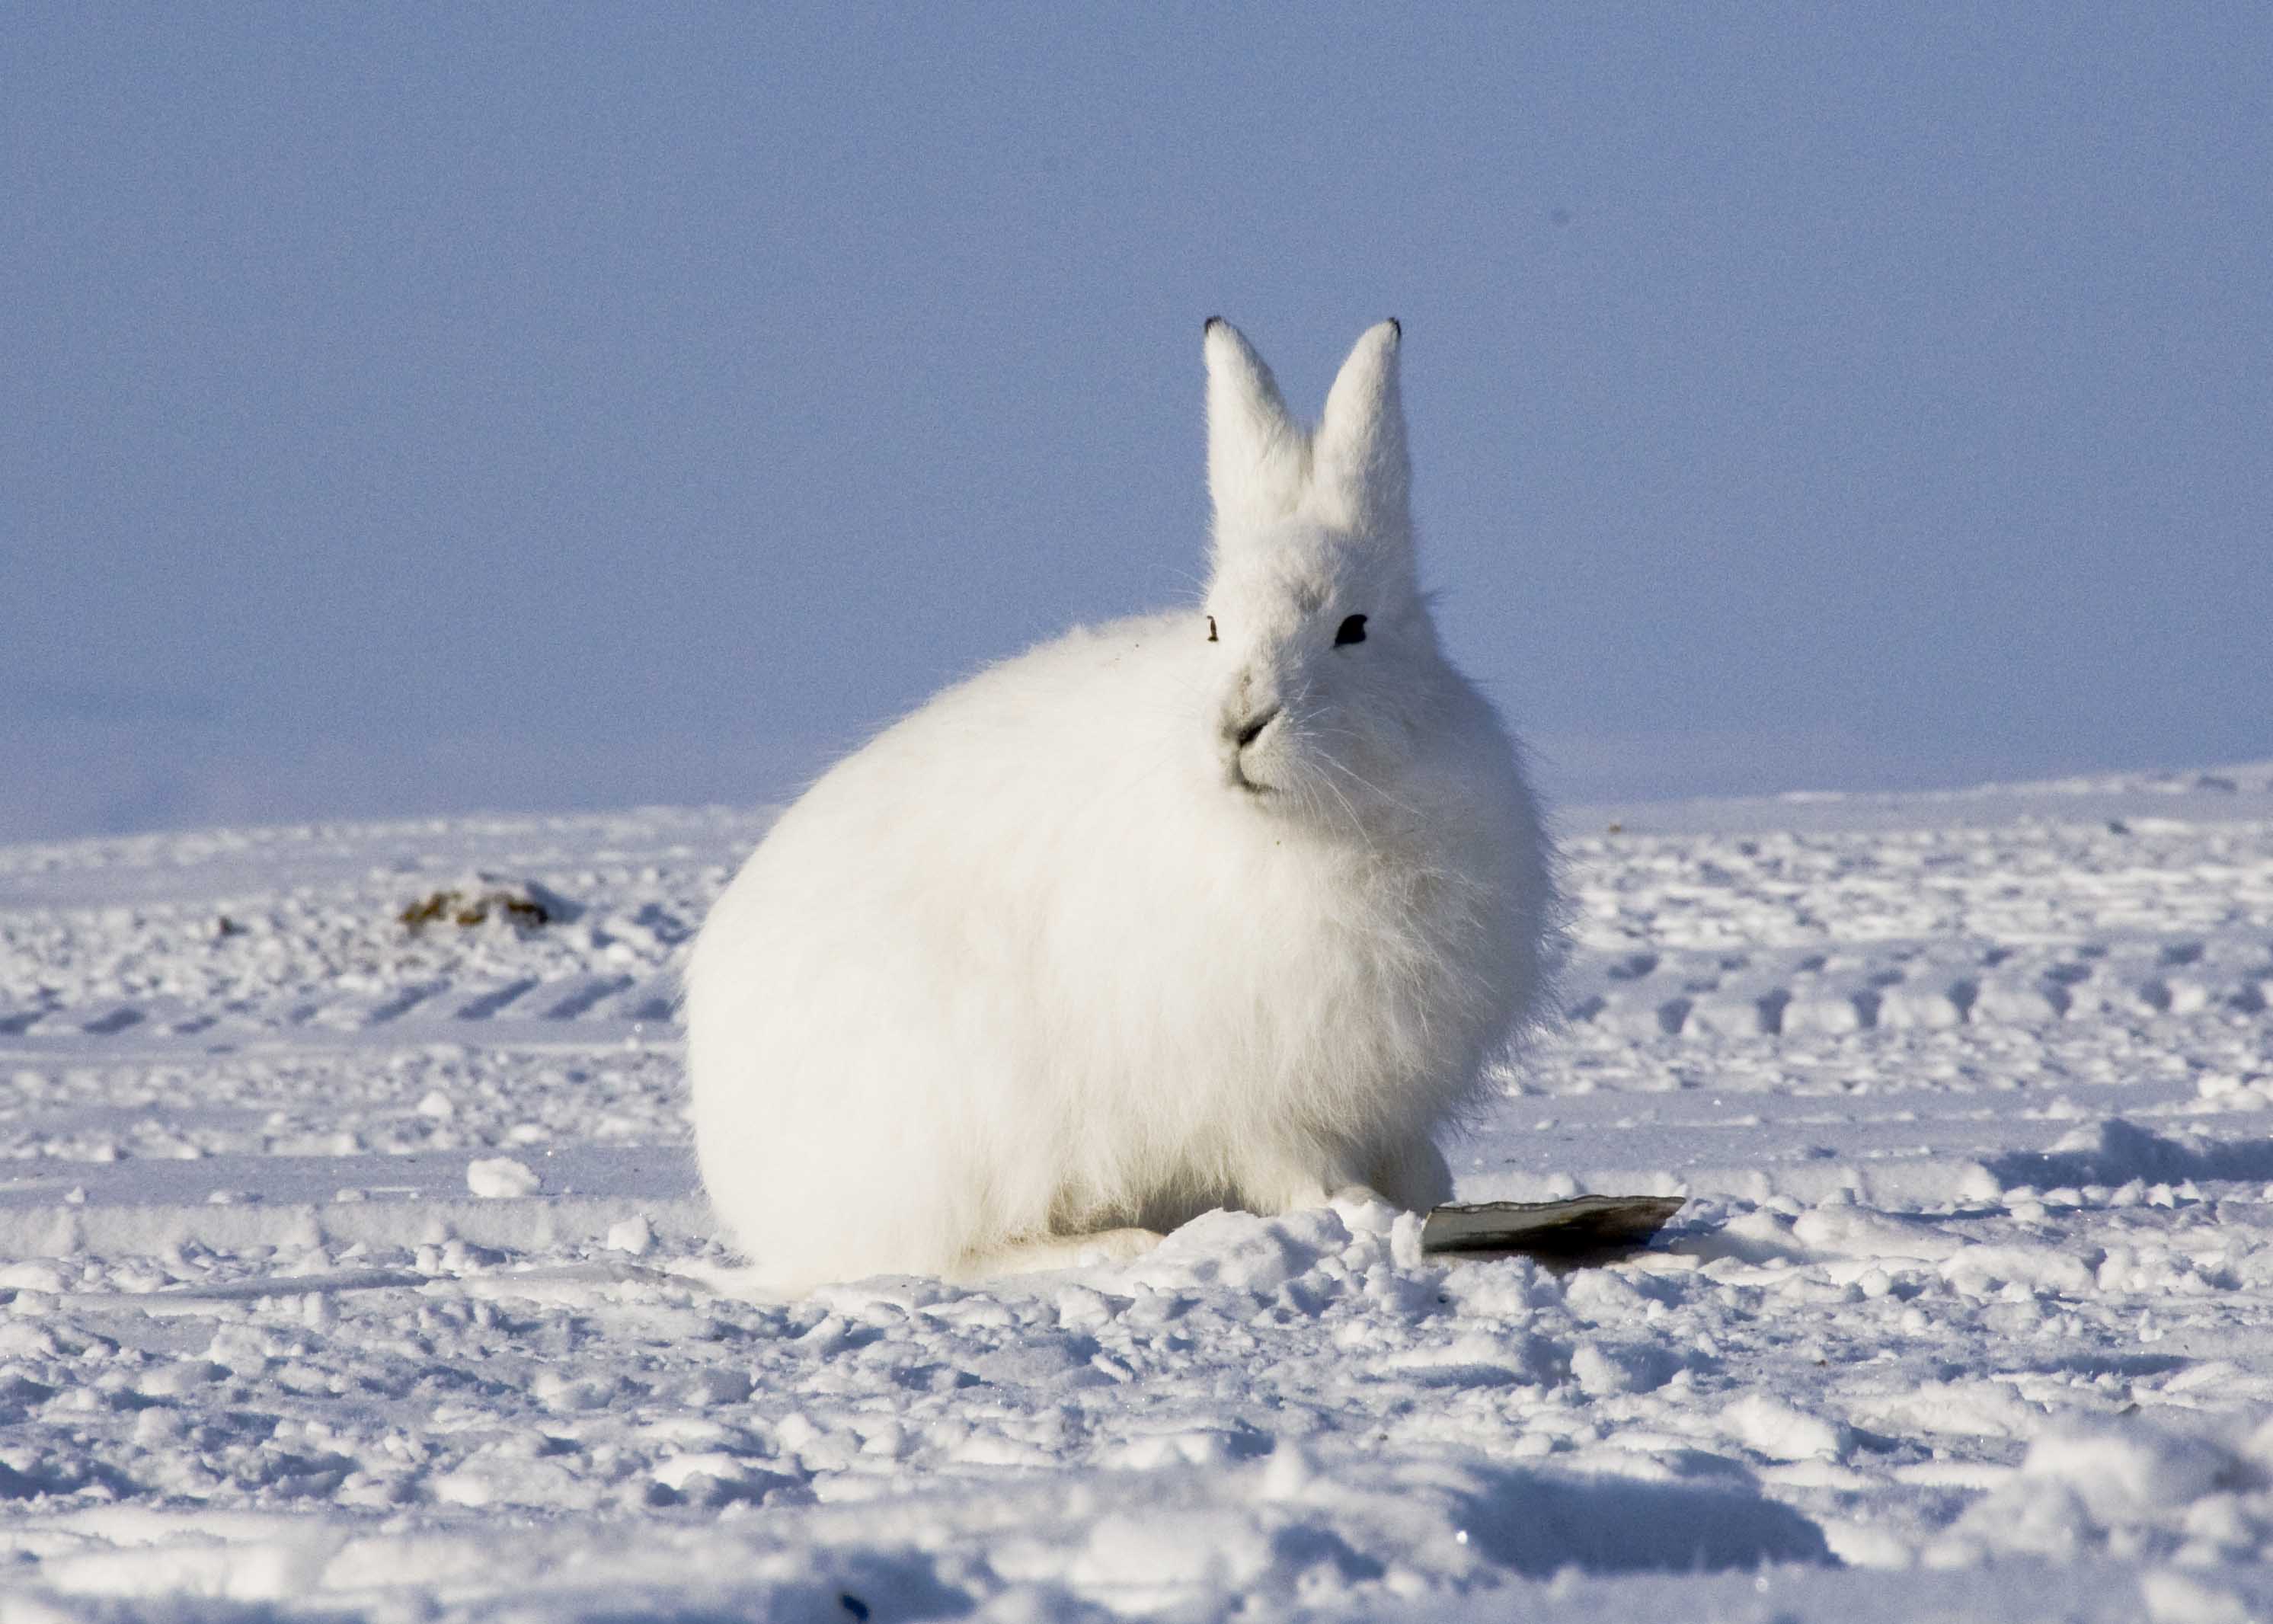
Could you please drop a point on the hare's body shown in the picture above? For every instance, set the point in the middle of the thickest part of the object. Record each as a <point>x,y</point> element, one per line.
<point>1080,946</point>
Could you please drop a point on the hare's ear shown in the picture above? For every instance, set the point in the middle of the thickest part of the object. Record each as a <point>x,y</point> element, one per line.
<point>1362,477</point>
<point>1257,455</point>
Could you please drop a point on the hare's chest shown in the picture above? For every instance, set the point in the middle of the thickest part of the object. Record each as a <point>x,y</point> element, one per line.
<point>1348,970</point>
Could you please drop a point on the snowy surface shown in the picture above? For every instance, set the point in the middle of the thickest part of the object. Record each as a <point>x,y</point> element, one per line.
<point>354,1269</point>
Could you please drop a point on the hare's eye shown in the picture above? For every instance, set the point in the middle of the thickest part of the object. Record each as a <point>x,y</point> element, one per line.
<point>1351,630</point>
<point>1211,636</point>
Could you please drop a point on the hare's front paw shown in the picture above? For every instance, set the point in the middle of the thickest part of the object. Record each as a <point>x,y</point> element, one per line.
<point>1307,1189</point>
<point>1115,1245</point>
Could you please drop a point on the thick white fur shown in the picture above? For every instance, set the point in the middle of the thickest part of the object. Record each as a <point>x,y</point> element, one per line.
<point>1055,955</point>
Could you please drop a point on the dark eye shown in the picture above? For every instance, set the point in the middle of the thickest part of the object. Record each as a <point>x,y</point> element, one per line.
<point>1211,636</point>
<point>1352,630</point>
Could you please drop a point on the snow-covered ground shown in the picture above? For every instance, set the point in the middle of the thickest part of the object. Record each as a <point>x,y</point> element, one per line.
<point>357,1270</point>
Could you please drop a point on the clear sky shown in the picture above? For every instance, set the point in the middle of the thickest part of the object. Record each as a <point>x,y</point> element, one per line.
<point>413,409</point>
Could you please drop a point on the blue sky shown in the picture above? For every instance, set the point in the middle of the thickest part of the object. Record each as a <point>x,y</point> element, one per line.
<point>410,409</point>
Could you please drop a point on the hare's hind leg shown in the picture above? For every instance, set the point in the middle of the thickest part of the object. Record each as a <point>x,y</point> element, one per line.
<point>1059,1252</point>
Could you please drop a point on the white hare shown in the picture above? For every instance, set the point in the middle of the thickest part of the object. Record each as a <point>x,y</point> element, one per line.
<point>1228,905</point>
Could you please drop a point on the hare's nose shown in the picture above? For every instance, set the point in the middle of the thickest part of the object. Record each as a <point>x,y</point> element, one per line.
<point>1243,733</point>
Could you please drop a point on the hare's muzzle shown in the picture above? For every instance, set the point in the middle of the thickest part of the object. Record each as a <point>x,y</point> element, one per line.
<point>1242,733</point>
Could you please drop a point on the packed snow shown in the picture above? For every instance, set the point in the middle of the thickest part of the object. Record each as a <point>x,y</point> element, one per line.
<point>354,1264</point>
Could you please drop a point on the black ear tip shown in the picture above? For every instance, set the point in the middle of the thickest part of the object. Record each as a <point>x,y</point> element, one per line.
<point>1210,325</point>
<point>1396,327</point>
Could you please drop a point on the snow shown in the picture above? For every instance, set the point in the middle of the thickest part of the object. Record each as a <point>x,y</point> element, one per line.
<point>349,1268</point>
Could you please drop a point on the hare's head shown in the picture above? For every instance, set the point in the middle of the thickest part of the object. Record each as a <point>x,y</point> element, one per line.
<point>1324,666</point>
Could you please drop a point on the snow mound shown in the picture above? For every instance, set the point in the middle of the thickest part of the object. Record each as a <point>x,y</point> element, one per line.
<point>2130,1489</point>
<point>2116,1151</point>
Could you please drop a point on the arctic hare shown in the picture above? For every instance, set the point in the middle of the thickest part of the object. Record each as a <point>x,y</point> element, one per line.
<point>1227,906</point>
